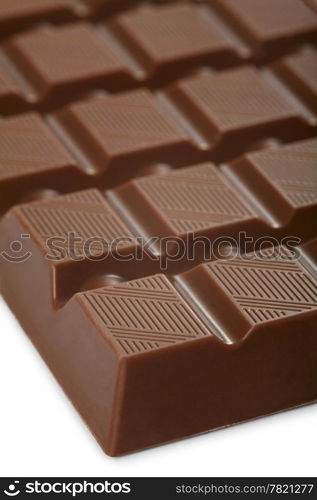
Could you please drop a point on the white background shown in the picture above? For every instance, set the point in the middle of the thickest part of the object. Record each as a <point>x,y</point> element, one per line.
<point>42,435</point>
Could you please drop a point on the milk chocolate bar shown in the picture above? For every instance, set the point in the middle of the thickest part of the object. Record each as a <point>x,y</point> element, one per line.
<point>158,207</point>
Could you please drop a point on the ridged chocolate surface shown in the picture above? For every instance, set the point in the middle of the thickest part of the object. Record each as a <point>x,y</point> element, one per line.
<point>158,203</point>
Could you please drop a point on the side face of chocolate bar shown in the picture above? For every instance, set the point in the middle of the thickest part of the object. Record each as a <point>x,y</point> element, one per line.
<point>158,204</point>
<point>228,320</point>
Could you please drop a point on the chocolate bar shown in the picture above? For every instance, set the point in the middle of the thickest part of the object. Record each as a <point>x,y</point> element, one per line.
<point>272,26</point>
<point>158,204</point>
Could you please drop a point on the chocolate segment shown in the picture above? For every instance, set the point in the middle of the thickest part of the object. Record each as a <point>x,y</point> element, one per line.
<point>79,234</point>
<point>32,159</point>
<point>193,199</point>
<point>60,62</point>
<point>284,180</point>
<point>116,133</point>
<point>170,40</point>
<point>299,73</point>
<point>265,300</point>
<point>235,109</point>
<point>269,27</point>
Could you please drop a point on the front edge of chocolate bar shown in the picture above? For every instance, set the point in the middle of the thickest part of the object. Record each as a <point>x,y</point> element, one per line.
<point>156,359</point>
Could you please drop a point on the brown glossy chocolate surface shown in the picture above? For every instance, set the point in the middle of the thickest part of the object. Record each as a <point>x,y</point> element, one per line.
<point>47,65</point>
<point>181,126</point>
<point>269,26</point>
